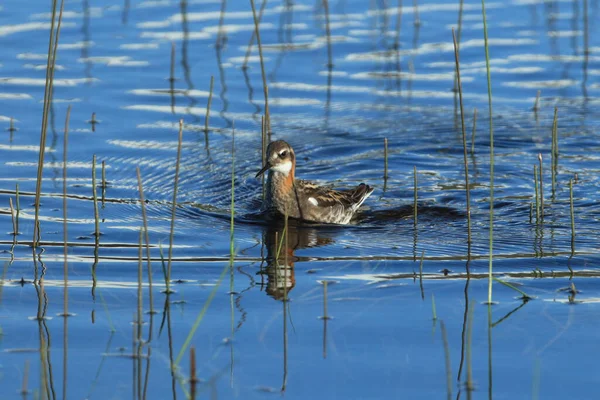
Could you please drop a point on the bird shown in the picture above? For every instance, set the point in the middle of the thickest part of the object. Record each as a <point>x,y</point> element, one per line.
<point>302,199</point>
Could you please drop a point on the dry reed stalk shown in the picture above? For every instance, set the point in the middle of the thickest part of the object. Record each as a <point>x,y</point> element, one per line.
<point>48,91</point>
<point>262,68</point>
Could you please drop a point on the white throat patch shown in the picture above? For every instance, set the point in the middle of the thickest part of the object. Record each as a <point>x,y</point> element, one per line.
<point>283,168</point>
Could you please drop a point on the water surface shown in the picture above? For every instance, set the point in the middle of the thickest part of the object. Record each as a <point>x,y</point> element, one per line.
<point>391,75</point>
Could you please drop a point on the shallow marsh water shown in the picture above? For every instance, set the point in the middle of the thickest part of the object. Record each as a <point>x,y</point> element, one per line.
<point>381,342</point>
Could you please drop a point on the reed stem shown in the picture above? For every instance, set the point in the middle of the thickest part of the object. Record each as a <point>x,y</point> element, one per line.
<point>18,209</point>
<point>385,159</point>
<point>469,384</point>
<point>103,182</point>
<point>172,67</point>
<point>433,310</point>
<point>415,196</point>
<point>12,216</point>
<point>146,238</point>
<point>489,85</point>
<point>212,294</point>
<point>572,209</point>
<point>473,132</point>
<point>25,383</point>
<point>417,20</point>
<point>232,211</point>
<point>193,377</point>
<point>93,121</point>
<point>65,224</point>
<point>249,49</point>
<point>447,361</point>
<point>139,285</point>
<point>541,187</point>
<point>48,91</point>
<point>262,68</point>
<point>174,207</point>
<point>208,104</point>
<point>328,33</point>
<point>263,135</point>
<point>537,198</point>
<point>95,197</point>
<point>421,275</point>
<point>325,314</point>
<point>464,137</point>
<point>554,152</point>
<point>536,105</point>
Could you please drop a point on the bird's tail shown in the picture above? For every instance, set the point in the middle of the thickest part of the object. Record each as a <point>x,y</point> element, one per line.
<point>361,193</point>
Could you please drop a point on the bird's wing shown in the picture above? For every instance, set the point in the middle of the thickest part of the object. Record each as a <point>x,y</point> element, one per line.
<point>326,197</point>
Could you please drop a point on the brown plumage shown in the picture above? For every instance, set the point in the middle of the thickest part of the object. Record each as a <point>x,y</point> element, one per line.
<point>302,199</point>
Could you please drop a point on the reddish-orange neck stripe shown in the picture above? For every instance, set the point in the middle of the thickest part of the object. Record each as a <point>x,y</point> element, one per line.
<point>289,180</point>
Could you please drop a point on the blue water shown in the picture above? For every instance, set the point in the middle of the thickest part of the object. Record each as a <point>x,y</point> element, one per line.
<point>114,60</point>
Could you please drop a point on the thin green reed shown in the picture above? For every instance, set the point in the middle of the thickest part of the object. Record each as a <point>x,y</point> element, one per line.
<point>554,152</point>
<point>473,132</point>
<point>572,209</point>
<point>232,211</point>
<point>146,238</point>
<point>541,186</point>
<point>232,246</point>
<point>212,294</point>
<point>489,85</point>
<point>65,225</point>
<point>48,90</point>
<point>231,223</point>
<point>464,137</point>
<point>139,285</point>
<point>537,198</point>
<point>174,207</point>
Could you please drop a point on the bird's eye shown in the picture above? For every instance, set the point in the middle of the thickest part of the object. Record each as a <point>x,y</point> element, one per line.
<point>283,154</point>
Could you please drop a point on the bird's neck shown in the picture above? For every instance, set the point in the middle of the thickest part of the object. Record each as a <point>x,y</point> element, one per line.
<point>281,193</point>
<point>283,181</point>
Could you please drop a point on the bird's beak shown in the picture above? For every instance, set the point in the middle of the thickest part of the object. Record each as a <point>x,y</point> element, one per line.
<point>263,170</point>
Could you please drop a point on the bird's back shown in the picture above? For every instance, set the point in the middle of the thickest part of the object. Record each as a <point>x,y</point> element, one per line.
<point>322,204</point>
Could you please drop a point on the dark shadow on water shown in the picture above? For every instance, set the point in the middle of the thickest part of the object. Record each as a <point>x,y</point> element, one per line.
<point>364,219</point>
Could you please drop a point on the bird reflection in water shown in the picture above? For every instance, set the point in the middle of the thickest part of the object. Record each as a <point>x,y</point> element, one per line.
<point>280,259</point>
